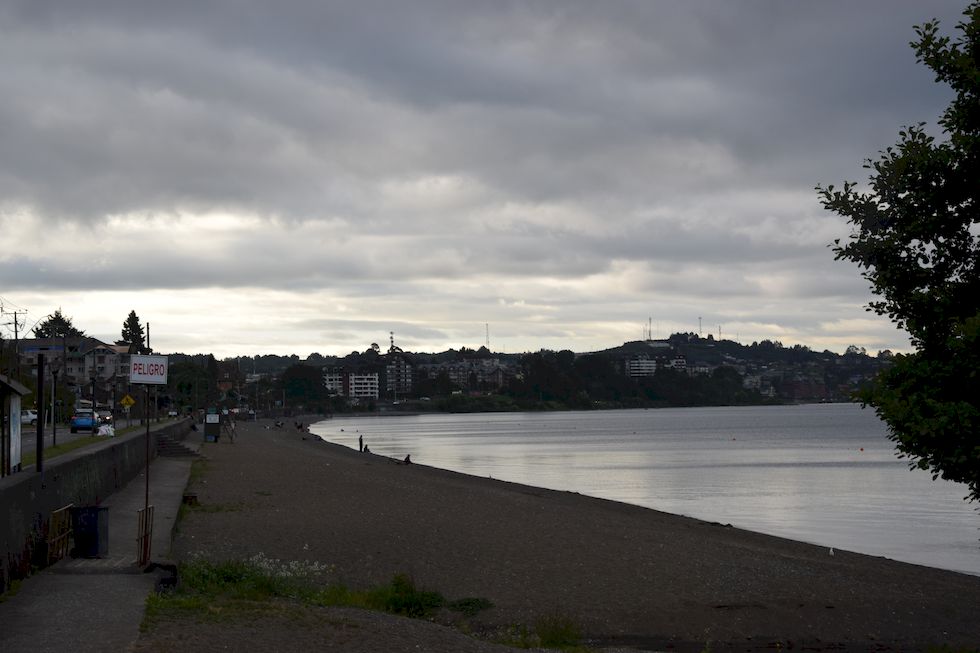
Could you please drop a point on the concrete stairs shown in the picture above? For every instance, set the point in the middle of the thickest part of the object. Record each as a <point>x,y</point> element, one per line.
<point>170,448</point>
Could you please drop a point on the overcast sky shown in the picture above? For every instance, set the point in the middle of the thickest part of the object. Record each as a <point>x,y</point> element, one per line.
<point>297,177</point>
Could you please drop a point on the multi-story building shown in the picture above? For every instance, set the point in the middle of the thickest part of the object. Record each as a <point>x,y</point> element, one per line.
<point>354,385</point>
<point>363,386</point>
<point>78,359</point>
<point>641,367</point>
<point>85,364</point>
<point>471,373</point>
<point>335,383</point>
<point>398,376</point>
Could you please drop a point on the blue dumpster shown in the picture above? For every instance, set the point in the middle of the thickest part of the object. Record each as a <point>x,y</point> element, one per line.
<point>91,530</point>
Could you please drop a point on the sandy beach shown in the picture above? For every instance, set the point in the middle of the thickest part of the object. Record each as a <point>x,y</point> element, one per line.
<point>632,577</point>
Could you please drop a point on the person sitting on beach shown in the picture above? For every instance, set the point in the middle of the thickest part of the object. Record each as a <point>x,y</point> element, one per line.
<point>408,460</point>
<point>367,449</point>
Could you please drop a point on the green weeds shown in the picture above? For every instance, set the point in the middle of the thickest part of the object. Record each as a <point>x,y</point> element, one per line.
<point>11,591</point>
<point>469,607</point>
<point>554,630</point>
<point>210,587</point>
<point>30,457</point>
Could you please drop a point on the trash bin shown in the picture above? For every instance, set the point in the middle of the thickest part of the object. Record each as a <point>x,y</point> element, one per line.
<point>91,530</point>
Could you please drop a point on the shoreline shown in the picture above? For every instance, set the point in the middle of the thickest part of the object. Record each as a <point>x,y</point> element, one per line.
<point>832,518</point>
<point>707,522</point>
<point>628,574</point>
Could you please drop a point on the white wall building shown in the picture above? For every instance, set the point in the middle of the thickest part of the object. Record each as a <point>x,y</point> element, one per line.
<point>641,367</point>
<point>363,386</point>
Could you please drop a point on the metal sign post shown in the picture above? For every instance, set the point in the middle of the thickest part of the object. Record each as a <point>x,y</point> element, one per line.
<point>147,370</point>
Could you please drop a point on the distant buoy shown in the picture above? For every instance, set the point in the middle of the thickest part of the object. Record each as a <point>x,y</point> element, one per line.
<point>862,448</point>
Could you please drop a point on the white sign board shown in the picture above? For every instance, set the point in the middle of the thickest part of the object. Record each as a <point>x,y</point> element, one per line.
<point>148,369</point>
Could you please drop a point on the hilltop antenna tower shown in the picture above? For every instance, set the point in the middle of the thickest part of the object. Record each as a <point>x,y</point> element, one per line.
<point>487,324</point>
<point>699,325</point>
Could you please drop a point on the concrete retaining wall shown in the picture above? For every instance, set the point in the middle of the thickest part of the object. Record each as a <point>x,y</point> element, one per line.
<point>84,478</point>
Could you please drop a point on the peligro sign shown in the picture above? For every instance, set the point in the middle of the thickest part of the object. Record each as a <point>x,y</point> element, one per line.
<point>148,369</point>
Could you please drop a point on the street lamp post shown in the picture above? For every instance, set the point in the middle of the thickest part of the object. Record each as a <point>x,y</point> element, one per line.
<point>94,413</point>
<point>54,392</point>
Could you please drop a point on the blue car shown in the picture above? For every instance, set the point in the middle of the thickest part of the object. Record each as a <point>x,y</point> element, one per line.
<point>83,420</point>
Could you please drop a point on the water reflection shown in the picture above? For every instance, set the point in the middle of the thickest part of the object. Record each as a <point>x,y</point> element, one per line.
<point>825,474</point>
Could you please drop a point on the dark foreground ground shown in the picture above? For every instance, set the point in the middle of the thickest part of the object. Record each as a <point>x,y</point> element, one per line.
<point>630,576</point>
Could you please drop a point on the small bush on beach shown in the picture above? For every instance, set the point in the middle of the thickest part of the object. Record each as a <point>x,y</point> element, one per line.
<point>402,597</point>
<point>553,630</point>
<point>470,606</point>
<point>558,630</point>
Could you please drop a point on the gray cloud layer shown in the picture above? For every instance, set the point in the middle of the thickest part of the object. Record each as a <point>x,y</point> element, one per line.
<point>648,151</point>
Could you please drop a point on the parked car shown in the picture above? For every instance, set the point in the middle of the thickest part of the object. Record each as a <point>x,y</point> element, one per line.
<point>104,416</point>
<point>28,417</point>
<point>83,420</point>
<point>173,413</point>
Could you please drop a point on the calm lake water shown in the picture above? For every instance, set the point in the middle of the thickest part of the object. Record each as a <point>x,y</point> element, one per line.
<point>825,474</point>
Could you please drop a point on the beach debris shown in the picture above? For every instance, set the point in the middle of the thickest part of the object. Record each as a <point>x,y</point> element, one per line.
<point>831,550</point>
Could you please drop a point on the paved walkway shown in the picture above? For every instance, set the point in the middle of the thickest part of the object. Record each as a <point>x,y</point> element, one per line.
<point>97,605</point>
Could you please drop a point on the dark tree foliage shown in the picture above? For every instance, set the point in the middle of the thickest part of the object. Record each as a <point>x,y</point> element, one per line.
<point>56,326</point>
<point>303,385</point>
<point>132,333</point>
<point>915,235</point>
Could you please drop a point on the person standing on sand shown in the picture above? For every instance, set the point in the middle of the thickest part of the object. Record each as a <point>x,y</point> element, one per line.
<point>360,443</point>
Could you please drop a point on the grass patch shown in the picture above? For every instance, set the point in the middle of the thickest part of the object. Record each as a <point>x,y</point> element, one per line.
<point>30,457</point>
<point>217,507</point>
<point>232,586</point>
<point>554,630</point>
<point>198,467</point>
<point>469,607</point>
<point>401,596</point>
<point>11,591</point>
<point>241,589</point>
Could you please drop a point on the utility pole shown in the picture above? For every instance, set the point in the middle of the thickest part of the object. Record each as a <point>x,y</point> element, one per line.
<point>16,324</point>
<point>39,447</point>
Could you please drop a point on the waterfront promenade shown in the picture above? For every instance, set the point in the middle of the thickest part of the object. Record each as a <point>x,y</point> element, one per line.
<point>96,605</point>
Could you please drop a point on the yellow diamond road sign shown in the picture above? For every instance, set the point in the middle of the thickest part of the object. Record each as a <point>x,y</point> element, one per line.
<point>127,401</point>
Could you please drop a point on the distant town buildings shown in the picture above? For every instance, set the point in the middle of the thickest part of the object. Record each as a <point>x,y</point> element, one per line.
<point>83,363</point>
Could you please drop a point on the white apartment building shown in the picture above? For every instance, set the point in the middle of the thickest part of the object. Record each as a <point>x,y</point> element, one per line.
<point>350,384</point>
<point>641,367</point>
<point>335,383</point>
<point>363,386</point>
